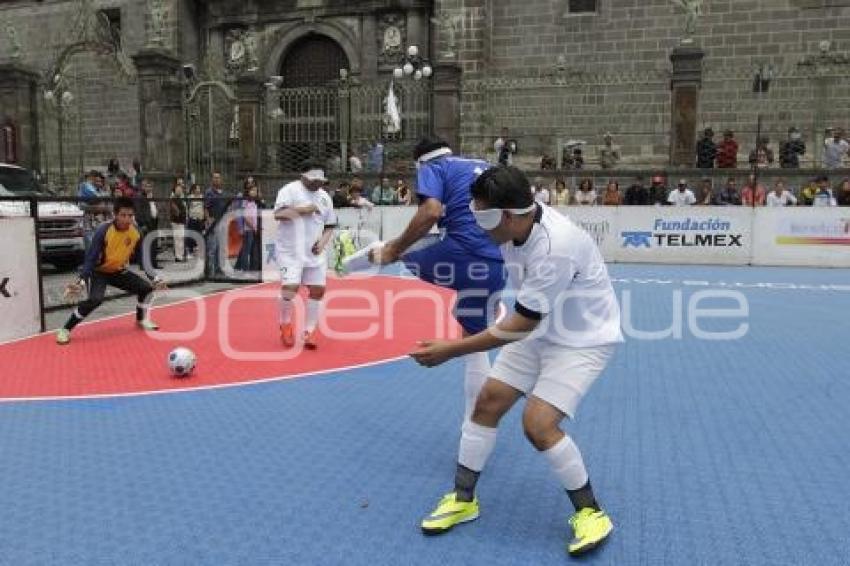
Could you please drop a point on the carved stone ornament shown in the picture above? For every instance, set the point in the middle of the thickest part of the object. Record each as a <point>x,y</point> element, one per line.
<point>449,26</point>
<point>240,51</point>
<point>392,29</point>
<point>159,15</point>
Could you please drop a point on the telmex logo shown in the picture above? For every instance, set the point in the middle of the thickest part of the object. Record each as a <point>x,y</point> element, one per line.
<point>685,233</point>
<point>644,240</point>
<point>637,239</point>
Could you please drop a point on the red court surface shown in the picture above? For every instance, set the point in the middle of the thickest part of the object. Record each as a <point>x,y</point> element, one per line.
<point>235,337</point>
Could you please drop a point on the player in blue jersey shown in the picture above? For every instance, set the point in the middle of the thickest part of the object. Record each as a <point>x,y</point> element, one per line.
<point>464,258</point>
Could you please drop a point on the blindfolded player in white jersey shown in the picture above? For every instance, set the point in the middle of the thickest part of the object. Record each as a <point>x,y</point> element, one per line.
<point>558,340</point>
<point>306,220</point>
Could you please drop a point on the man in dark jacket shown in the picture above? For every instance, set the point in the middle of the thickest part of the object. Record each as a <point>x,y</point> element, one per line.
<point>146,219</point>
<point>658,191</point>
<point>729,195</point>
<point>637,193</point>
<point>706,150</point>
<point>791,149</point>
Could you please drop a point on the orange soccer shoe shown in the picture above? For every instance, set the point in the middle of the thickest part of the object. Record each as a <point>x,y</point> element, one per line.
<point>310,340</point>
<point>287,335</point>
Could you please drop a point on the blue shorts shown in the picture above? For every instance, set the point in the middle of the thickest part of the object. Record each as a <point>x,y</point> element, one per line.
<point>477,280</point>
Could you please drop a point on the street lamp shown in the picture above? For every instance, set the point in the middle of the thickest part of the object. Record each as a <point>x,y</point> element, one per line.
<point>761,84</point>
<point>412,64</point>
<point>59,98</point>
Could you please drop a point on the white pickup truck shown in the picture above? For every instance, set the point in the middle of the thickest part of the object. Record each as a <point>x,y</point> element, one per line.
<point>60,224</point>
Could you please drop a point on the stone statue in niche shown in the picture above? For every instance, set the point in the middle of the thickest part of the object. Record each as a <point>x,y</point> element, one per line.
<point>159,18</point>
<point>449,25</point>
<point>391,37</point>
<point>693,11</point>
<point>14,43</point>
<point>240,47</point>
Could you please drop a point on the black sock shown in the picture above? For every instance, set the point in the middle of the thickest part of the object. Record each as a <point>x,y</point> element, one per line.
<point>465,480</point>
<point>140,313</point>
<point>583,497</point>
<point>73,321</point>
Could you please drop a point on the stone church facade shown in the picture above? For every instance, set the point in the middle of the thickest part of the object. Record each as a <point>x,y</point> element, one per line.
<point>257,85</point>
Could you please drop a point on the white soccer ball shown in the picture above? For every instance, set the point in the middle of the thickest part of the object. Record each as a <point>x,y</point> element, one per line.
<point>181,362</point>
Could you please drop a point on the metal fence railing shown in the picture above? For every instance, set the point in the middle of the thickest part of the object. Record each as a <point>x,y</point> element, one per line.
<point>179,249</point>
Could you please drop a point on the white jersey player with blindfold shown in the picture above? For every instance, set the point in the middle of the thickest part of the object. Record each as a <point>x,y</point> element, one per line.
<point>306,220</point>
<point>558,340</point>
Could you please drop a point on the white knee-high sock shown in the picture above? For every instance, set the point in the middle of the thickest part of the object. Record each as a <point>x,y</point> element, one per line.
<point>313,310</point>
<point>565,460</point>
<point>476,444</point>
<point>477,372</point>
<point>286,307</point>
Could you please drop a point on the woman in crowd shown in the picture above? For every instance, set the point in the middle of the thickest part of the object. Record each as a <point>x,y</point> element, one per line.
<point>561,195</point>
<point>705,192</point>
<point>195,221</point>
<point>248,222</point>
<point>586,194</point>
<point>177,216</point>
<point>403,193</point>
<point>612,196</point>
<point>842,193</point>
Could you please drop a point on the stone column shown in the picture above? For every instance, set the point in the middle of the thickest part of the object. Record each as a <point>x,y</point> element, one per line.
<point>684,104</point>
<point>249,94</point>
<point>19,109</point>
<point>161,119</point>
<point>446,103</point>
<point>417,30</point>
<point>369,47</point>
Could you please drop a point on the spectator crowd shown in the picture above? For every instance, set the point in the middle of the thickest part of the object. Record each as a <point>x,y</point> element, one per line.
<point>817,192</point>
<point>193,212</point>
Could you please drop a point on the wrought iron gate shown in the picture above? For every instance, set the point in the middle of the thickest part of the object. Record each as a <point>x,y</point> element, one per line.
<point>328,124</point>
<point>212,131</point>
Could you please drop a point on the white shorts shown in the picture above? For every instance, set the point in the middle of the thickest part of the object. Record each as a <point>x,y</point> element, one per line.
<point>557,374</point>
<point>296,273</point>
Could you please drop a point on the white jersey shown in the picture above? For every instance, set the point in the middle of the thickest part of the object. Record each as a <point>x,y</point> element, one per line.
<point>560,277</point>
<point>295,238</point>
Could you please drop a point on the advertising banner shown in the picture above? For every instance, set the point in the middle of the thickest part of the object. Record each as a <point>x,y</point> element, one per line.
<point>19,305</point>
<point>818,237</point>
<point>688,235</point>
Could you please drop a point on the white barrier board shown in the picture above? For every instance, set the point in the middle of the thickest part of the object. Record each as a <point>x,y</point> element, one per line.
<point>721,235</point>
<point>19,304</point>
<point>600,222</point>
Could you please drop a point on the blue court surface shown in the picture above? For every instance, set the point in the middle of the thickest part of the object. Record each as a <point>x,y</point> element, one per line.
<point>702,451</point>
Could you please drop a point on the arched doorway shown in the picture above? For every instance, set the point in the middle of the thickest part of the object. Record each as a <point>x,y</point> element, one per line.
<point>309,101</point>
<point>315,60</point>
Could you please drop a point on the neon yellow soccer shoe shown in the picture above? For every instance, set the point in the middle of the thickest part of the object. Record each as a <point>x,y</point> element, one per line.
<point>591,528</point>
<point>449,513</point>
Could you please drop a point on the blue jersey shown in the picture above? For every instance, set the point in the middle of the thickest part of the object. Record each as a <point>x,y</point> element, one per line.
<point>449,179</point>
